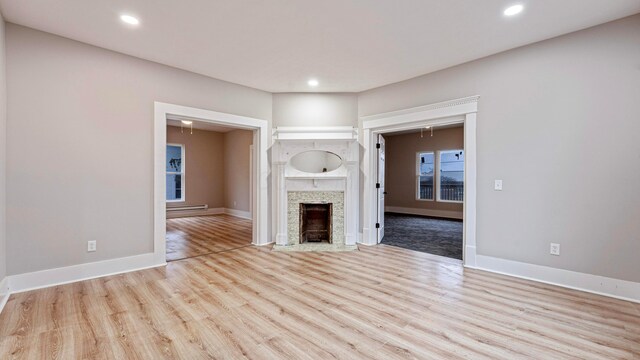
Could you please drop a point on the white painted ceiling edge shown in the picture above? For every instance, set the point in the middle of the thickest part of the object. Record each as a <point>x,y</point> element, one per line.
<point>277,46</point>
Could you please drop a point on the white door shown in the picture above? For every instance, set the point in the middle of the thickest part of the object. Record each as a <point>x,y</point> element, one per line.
<point>380,188</point>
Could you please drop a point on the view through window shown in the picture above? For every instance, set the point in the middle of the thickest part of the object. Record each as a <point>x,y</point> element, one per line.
<point>175,173</point>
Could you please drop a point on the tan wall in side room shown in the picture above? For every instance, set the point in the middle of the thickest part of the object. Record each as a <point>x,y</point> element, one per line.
<point>237,169</point>
<point>204,166</point>
<point>400,180</point>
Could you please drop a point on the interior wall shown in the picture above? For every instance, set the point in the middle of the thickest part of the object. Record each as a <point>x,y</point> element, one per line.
<point>558,123</point>
<point>3,153</point>
<point>204,166</point>
<point>237,171</point>
<point>311,109</point>
<point>401,167</point>
<point>80,146</point>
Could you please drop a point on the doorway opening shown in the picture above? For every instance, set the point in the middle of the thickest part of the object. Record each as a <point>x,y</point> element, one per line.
<point>422,189</point>
<point>210,182</point>
<point>208,188</point>
<point>448,113</point>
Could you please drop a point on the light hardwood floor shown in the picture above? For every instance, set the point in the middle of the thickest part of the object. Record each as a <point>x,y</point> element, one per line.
<point>199,235</point>
<point>380,302</point>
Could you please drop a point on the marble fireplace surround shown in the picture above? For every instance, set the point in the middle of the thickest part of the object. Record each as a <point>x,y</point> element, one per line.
<point>338,187</point>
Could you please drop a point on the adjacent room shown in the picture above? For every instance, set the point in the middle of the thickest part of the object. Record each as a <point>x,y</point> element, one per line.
<point>424,190</point>
<point>208,188</point>
<point>335,179</point>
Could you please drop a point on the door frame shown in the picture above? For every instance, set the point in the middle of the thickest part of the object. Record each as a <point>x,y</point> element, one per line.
<point>259,169</point>
<point>458,111</point>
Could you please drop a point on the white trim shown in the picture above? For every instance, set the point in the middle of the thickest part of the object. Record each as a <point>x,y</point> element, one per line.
<point>261,170</point>
<point>5,292</point>
<point>238,213</point>
<point>425,212</point>
<point>69,274</point>
<point>615,288</point>
<point>188,213</point>
<point>443,113</point>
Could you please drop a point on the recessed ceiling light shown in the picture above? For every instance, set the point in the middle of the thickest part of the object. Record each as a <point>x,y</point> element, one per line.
<point>513,10</point>
<point>131,20</point>
<point>187,122</point>
<point>313,82</point>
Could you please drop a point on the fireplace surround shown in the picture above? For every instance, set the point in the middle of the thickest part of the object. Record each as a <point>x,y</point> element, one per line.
<point>334,188</point>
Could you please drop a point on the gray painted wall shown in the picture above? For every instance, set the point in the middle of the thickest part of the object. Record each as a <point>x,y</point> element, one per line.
<point>558,122</point>
<point>310,109</point>
<point>3,153</point>
<point>80,153</point>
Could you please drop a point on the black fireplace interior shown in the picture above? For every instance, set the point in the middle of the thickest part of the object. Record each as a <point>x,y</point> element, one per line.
<point>315,222</point>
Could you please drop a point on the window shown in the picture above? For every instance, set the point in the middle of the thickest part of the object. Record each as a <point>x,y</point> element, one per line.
<point>451,180</point>
<point>425,171</point>
<point>175,173</point>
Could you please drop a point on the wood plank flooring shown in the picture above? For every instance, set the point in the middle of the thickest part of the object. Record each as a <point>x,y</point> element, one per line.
<point>199,235</point>
<point>381,302</point>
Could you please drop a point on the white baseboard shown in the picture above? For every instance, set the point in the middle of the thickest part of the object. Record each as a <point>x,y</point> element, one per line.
<point>238,213</point>
<point>4,292</point>
<point>615,288</point>
<point>188,213</point>
<point>425,212</point>
<point>64,275</point>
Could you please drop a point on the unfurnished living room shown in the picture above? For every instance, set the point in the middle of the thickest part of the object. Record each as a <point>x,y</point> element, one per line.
<point>231,179</point>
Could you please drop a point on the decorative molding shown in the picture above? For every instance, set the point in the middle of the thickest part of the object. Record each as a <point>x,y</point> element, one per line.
<point>188,213</point>
<point>425,212</point>
<point>5,292</point>
<point>315,133</point>
<point>238,213</point>
<point>69,274</point>
<point>470,100</point>
<point>600,285</point>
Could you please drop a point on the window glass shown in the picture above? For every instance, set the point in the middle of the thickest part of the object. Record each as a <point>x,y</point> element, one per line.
<point>425,175</point>
<point>451,175</point>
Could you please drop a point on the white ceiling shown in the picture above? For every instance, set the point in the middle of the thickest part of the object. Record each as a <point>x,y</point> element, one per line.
<point>277,45</point>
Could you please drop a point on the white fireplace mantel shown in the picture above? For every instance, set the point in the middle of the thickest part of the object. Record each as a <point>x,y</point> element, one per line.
<point>290,141</point>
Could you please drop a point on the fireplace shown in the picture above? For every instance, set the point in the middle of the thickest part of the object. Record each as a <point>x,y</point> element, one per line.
<point>315,223</point>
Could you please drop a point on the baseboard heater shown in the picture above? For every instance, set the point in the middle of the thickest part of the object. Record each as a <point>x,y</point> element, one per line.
<point>192,207</point>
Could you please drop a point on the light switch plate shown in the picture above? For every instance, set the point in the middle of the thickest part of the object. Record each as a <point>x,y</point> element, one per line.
<point>498,185</point>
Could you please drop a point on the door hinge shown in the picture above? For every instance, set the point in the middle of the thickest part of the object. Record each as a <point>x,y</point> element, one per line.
<point>377,225</point>
<point>377,185</point>
<point>378,146</point>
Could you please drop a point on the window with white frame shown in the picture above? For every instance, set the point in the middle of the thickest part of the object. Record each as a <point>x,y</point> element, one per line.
<point>175,172</point>
<point>425,172</point>
<point>451,175</point>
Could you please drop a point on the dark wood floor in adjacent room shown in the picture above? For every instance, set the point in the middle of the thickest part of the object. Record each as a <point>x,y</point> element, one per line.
<point>200,235</point>
<point>381,302</point>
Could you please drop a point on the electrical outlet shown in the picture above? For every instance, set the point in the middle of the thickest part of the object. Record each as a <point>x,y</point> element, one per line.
<point>235,203</point>
<point>554,249</point>
<point>497,186</point>
<point>91,246</point>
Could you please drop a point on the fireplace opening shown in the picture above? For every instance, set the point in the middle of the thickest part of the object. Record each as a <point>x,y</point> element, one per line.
<point>315,222</point>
